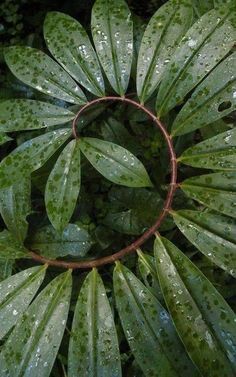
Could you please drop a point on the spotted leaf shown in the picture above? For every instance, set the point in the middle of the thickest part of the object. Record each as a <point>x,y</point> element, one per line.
<point>38,70</point>
<point>114,162</point>
<point>112,30</point>
<point>93,349</point>
<point>204,321</point>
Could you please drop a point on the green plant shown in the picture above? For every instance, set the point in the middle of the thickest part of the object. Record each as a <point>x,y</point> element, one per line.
<point>159,315</point>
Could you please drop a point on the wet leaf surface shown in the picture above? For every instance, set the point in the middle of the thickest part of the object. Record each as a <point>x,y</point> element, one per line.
<point>32,347</point>
<point>93,349</point>
<point>38,70</point>
<point>214,235</point>
<point>74,241</point>
<point>217,191</point>
<point>161,37</point>
<point>16,293</point>
<point>63,186</point>
<point>204,321</point>
<point>203,46</point>
<point>149,329</point>
<point>112,31</point>
<point>69,43</point>
<point>25,114</point>
<point>213,99</point>
<point>114,162</point>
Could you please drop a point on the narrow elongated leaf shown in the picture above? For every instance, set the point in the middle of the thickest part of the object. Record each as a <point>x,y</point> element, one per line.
<point>10,248</point>
<point>15,206</point>
<point>30,156</point>
<point>93,349</point>
<point>203,6</point>
<point>4,138</point>
<point>218,152</point>
<point>63,186</point>
<point>216,191</point>
<point>147,268</point>
<point>16,293</point>
<point>149,329</point>
<point>38,70</point>
<point>31,349</point>
<point>214,235</point>
<point>162,35</point>
<point>213,99</point>
<point>74,241</point>
<point>69,43</point>
<point>204,321</point>
<point>5,269</point>
<point>26,114</point>
<point>112,30</point>
<point>114,162</point>
<point>204,45</point>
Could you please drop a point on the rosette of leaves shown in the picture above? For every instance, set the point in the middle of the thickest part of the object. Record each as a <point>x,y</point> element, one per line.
<point>165,318</point>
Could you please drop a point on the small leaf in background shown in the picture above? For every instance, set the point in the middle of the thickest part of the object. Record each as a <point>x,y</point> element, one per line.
<point>30,156</point>
<point>41,72</point>
<point>161,37</point>
<point>63,186</point>
<point>26,114</point>
<point>32,346</point>
<point>4,138</point>
<point>112,31</point>
<point>213,99</point>
<point>204,321</point>
<point>214,235</point>
<point>114,162</point>
<point>204,45</point>
<point>10,248</point>
<point>6,268</point>
<point>217,191</point>
<point>69,43</point>
<point>218,153</point>
<point>116,132</point>
<point>15,206</point>
<point>149,329</point>
<point>93,349</point>
<point>16,293</point>
<point>132,210</point>
<point>74,241</point>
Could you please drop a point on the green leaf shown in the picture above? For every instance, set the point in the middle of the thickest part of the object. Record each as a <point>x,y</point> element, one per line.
<point>63,186</point>
<point>16,293</point>
<point>15,206</point>
<point>214,235</point>
<point>162,35</point>
<point>69,43</point>
<point>218,152</point>
<point>132,210</point>
<point>26,114</point>
<point>204,45</point>
<point>6,269</point>
<point>10,248</point>
<point>112,31</point>
<point>114,162</point>
<point>216,191</point>
<point>32,346</point>
<point>73,241</point>
<point>30,156</point>
<point>93,349</point>
<point>213,99</point>
<point>147,268</point>
<point>149,329</point>
<point>4,138</point>
<point>41,72</point>
<point>204,321</point>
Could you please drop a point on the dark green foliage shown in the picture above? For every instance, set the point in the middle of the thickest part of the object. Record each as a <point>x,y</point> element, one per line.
<point>77,190</point>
